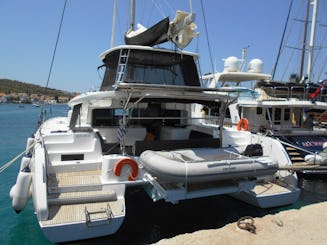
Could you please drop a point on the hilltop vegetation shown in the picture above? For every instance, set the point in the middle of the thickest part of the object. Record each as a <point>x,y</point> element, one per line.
<point>8,86</point>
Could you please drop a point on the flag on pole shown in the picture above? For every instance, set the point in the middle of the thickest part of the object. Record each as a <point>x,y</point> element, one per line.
<point>122,131</point>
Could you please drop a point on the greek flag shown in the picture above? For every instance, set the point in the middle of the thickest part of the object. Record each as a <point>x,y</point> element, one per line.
<point>122,131</point>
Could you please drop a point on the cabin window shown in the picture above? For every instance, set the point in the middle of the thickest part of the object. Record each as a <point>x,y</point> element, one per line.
<point>110,62</point>
<point>102,117</point>
<point>161,68</point>
<point>215,111</point>
<point>174,117</point>
<point>278,113</point>
<point>106,117</point>
<point>287,114</point>
<point>259,110</point>
<point>75,118</point>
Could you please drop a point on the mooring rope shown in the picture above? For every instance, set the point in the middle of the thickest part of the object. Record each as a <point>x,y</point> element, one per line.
<point>8,164</point>
<point>247,223</point>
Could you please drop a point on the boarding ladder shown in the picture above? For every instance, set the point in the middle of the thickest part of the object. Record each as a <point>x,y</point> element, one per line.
<point>122,62</point>
<point>104,215</point>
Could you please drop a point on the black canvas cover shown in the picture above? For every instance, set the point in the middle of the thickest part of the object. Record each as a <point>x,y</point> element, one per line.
<point>152,67</point>
<point>155,35</point>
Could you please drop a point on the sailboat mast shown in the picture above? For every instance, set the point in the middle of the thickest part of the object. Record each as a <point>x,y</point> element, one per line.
<point>304,39</point>
<point>132,14</point>
<point>312,37</point>
<point>113,25</point>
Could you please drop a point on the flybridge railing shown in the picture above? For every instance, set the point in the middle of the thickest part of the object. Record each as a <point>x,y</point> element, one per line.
<point>298,92</point>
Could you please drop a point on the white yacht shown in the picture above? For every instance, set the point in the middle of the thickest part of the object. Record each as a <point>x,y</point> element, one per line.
<point>143,129</point>
<point>283,112</point>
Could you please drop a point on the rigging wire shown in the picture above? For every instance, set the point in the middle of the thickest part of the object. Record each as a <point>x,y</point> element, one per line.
<point>208,43</point>
<point>52,61</point>
<point>320,47</point>
<point>171,9</point>
<point>322,42</point>
<point>121,32</point>
<point>150,15</point>
<point>299,10</point>
<point>8,164</point>
<point>159,8</point>
<point>282,40</point>
<point>56,45</point>
<point>322,68</point>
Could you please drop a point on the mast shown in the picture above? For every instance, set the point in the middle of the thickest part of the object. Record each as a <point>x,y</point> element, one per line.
<point>132,14</point>
<point>304,39</point>
<point>113,25</point>
<point>312,37</point>
<point>282,41</point>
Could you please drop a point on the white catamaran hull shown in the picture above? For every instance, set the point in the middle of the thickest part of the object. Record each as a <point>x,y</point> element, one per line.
<point>71,198</point>
<point>85,226</point>
<point>269,194</point>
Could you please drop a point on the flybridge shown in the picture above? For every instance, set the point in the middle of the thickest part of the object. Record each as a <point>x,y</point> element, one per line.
<point>132,64</point>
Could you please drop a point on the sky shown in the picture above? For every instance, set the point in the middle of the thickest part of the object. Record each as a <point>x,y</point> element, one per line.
<point>28,32</point>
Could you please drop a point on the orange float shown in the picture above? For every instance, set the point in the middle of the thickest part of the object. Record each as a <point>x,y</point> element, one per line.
<point>127,161</point>
<point>243,123</point>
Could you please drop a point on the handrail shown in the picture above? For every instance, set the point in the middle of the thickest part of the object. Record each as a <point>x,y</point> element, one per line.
<point>298,87</point>
<point>281,88</point>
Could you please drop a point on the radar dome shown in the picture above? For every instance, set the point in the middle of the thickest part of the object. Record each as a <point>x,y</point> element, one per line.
<point>255,66</point>
<point>232,64</point>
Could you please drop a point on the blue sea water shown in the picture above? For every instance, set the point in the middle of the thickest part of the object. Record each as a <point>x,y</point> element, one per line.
<point>146,222</point>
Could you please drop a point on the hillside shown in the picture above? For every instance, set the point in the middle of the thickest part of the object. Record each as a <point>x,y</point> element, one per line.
<point>8,86</point>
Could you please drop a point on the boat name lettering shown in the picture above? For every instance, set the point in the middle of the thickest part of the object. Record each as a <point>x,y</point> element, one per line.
<point>81,135</point>
<point>312,143</point>
<point>229,168</point>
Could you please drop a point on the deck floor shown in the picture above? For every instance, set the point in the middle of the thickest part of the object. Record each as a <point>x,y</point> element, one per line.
<point>78,186</point>
<point>268,188</point>
<point>74,178</point>
<point>76,213</point>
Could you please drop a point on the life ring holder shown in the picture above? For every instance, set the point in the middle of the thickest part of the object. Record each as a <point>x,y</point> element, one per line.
<point>243,123</point>
<point>127,161</point>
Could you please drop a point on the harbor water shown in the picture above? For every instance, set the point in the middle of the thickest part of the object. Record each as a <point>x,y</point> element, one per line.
<point>146,221</point>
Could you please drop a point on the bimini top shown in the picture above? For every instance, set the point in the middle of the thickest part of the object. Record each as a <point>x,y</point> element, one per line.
<point>145,65</point>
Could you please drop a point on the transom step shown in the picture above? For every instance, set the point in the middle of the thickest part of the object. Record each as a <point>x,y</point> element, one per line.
<point>70,198</point>
<point>60,214</point>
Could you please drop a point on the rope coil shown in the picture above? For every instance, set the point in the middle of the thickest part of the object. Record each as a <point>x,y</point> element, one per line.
<point>247,223</point>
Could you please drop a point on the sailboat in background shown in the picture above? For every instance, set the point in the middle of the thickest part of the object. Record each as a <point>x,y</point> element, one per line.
<point>303,84</point>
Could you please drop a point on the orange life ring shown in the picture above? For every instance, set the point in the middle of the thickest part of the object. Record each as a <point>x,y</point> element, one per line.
<point>243,123</point>
<point>129,161</point>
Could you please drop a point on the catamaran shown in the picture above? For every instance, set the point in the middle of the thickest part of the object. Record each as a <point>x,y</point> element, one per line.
<point>143,129</point>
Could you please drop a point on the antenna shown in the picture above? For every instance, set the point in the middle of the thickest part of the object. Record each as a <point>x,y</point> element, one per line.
<point>244,53</point>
